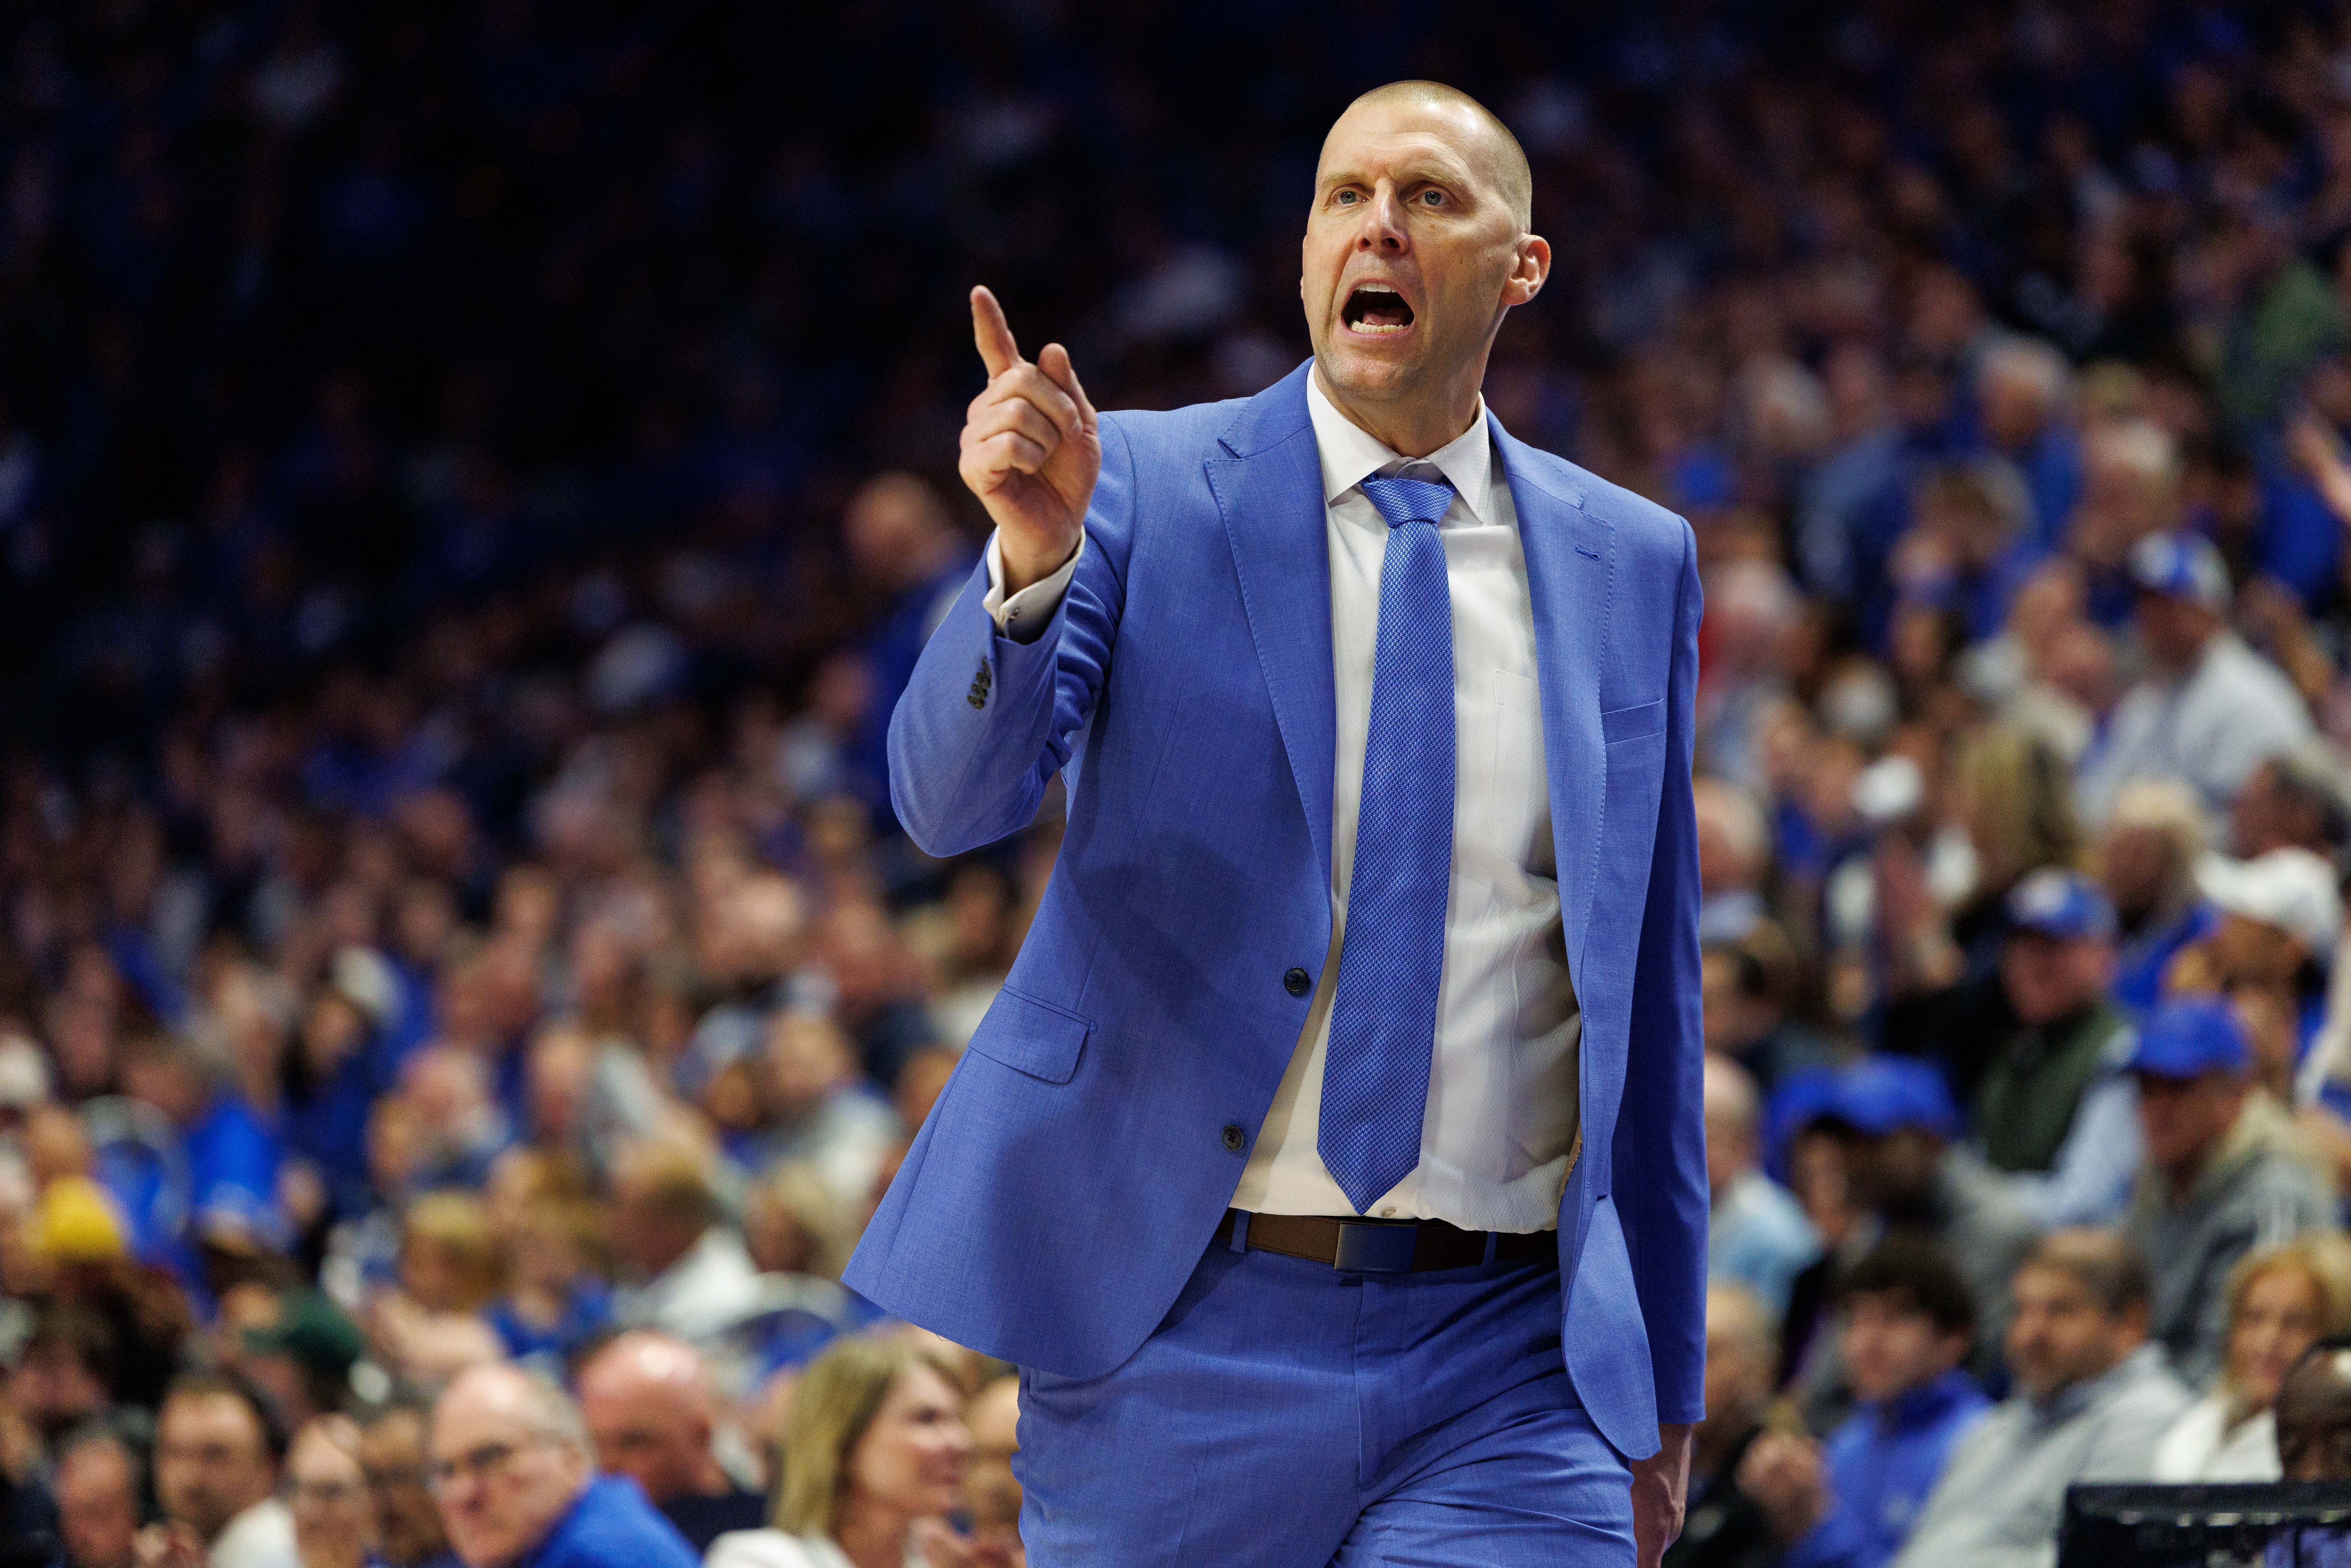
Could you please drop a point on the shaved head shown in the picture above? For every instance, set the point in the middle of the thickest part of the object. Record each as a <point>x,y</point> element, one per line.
<point>1416,248</point>
<point>1509,168</point>
<point>650,1414</point>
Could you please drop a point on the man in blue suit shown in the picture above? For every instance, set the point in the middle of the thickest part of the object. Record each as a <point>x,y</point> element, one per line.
<point>1331,1162</point>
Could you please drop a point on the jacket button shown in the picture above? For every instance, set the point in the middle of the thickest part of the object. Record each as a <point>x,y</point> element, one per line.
<point>1298,982</point>
<point>1233,1137</point>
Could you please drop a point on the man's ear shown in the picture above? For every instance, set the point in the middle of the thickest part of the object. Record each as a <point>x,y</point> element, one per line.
<point>1527,272</point>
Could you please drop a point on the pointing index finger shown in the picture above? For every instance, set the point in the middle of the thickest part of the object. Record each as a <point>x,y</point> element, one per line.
<point>990,332</point>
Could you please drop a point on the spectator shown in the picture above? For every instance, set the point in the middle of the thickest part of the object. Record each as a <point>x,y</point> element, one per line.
<point>1757,1236</point>
<point>817,1108</point>
<point>1908,1325</point>
<point>62,1376</point>
<point>2147,860</point>
<point>1734,848</point>
<point>2296,800</point>
<point>1748,990</point>
<point>905,547</point>
<point>392,1456</point>
<point>2130,492</point>
<point>1722,1527</point>
<point>216,1456</point>
<point>2024,387</point>
<point>2050,1108</point>
<point>99,1483</point>
<point>2280,919</point>
<point>2314,1415</point>
<point>515,1481</point>
<point>690,1274</point>
<point>2210,710</point>
<point>2313,1439</point>
<point>334,1526</point>
<point>872,1461</point>
<point>449,1270</point>
<point>2282,1300</point>
<point>991,1491</point>
<point>651,1415</point>
<point>232,1159</point>
<point>2224,1173</point>
<point>555,1301</point>
<point>1904,1169</point>
<point>2093,1398</point>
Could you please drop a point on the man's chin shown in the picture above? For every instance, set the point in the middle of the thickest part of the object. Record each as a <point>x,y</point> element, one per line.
<point>1365,374</point>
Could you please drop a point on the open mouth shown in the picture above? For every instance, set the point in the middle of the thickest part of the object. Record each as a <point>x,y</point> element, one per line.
<point>1373,308</point>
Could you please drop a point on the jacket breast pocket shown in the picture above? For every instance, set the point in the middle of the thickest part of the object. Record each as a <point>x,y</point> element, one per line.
<point>1032,1037</point>
<point>1633,723</point>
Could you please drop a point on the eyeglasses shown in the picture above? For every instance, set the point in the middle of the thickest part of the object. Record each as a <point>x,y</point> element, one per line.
<point>484,1463</point>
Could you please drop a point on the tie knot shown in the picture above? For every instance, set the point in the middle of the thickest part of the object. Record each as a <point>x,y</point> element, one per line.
<point>1402,500</point>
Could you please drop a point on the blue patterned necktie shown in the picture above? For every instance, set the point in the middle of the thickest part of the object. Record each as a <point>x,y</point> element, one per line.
<point>1383,1007</point>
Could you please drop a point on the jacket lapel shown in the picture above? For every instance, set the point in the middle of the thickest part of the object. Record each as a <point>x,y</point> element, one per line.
<point>1570,561</point>
<point>1270,490</point>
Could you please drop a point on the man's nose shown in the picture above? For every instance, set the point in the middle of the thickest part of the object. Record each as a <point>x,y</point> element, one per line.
<point>1383,226</point>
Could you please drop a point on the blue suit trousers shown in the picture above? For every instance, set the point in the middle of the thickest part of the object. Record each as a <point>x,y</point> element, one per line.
<point>1288,1415</point>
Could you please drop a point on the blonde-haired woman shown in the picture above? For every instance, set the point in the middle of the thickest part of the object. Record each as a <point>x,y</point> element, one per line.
<point>873,1454</point>
<point>2282,1300</point>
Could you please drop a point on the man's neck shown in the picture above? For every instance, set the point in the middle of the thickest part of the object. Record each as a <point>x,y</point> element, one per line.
<point>1413,428</point>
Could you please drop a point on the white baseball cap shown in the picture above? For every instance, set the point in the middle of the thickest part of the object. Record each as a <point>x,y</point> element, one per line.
<point>2291,889</point>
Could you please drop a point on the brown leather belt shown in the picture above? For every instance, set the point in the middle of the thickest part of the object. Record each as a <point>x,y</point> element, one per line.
<point>1381,1246</point>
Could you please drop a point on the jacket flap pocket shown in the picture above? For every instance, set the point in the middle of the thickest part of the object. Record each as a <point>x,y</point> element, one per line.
<point>1632,722</point>
<point>1031,1037</point>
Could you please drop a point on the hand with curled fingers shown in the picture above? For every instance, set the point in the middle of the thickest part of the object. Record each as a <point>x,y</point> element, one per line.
<point>1031,449</point>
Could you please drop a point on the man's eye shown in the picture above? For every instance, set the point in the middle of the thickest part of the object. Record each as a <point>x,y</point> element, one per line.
<point>1346,198</point>
<point>1433,198</point>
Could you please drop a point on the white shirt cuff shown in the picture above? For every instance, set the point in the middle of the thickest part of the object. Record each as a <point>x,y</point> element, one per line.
<point>1022,617</point>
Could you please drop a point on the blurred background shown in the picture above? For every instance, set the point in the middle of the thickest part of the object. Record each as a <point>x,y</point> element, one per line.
<point>475,477</point>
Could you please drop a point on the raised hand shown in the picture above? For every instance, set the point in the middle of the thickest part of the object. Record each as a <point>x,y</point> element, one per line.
<point>1031,448</point>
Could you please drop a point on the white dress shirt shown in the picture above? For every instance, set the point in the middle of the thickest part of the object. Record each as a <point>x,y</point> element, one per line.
<point>1500,1129</point>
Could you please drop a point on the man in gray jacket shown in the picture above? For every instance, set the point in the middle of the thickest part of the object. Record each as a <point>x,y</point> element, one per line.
<point>2092,1398</point>
<point>2224,1173</point>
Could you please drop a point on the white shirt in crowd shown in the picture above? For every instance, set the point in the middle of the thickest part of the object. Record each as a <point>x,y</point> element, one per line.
<point>774,1548</point>
<point>2202,1446</point>
<point>261,1536</point>
<point>2210,727</point>
<point>1501,1124</point>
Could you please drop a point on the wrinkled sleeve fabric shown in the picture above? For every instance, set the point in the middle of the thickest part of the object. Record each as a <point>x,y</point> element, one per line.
<point>988,718</point>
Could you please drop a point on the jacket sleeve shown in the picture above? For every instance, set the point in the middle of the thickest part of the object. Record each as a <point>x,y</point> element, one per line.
<point>1660,1122</point>
<point>987,721</point>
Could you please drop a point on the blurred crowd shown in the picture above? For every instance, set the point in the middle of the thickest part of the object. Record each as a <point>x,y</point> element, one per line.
<point>474,479</point>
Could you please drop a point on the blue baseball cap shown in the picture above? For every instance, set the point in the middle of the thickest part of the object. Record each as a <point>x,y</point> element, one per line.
<point>2190,1038</point>
<point>1882,1094</point>
<point>2063,905</point>
<point>2183,566</point>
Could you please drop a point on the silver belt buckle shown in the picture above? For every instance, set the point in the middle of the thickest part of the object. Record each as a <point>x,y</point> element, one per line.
<point>1375,1248</point>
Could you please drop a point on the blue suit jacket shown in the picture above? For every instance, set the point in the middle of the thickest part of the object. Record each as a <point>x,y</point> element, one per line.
<point>1068,1179</point>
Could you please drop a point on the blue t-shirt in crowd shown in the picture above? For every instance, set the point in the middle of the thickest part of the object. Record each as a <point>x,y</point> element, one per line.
<point>232,1169</point>
<point>1880,1466</point>
<point>611,1526</point>
<point>587,1314</point>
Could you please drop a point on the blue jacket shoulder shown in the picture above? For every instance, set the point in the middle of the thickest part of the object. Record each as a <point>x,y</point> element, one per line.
<point>1171,431</point>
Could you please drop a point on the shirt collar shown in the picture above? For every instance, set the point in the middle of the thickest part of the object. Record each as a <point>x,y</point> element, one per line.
<point>1352,454</point>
